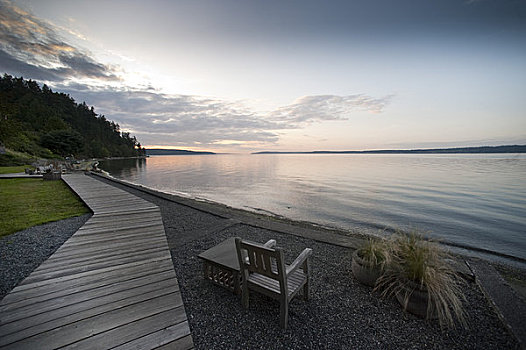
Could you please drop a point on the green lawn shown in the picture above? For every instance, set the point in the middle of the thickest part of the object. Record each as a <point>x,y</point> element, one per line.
<point>14,169</point>
<point>29,202</point>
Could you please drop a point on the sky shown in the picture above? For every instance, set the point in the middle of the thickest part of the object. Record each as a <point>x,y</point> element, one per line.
<point>243,76</point>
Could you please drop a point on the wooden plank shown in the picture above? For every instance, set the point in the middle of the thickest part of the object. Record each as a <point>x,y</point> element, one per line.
<point>132,331</point>
<point>93,264</point>
<point>84,299</point>
<point>97,255</point>
<point>131,211</point>
<point>120,210</point>
<point>37,295</point>
<point>68,271</point>
<point>118,219</point>
<point>33,296</point>
<point>32,322</point>
<point>83,261</point>
<point>27,283</point>
<point>146,231</point>
<point>116,231</point>
<point>117,235</point>
<point>100,207</point>
<point>116,198</point>
<point>90,246</point>
<point>116,246</point>
<point>117,223</point>
<point>76,331</point>
<point>94,253</point>
<point>159,338</point>
<point>123,224</point>
<point>184,343</point>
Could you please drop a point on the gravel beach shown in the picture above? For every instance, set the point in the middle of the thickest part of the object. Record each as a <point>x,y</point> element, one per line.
<point>341,313</point>
<point>24,251</point>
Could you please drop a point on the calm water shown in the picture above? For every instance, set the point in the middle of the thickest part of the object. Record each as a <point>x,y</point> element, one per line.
<point>473,200</point>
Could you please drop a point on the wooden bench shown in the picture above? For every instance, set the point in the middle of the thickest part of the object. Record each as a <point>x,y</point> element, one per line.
<point>263,270</point>
<point>221,266</point>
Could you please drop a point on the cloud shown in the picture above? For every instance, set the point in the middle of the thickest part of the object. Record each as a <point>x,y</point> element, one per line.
<point>310,109</point>
<point>30,47</point>
<point>158,118</point>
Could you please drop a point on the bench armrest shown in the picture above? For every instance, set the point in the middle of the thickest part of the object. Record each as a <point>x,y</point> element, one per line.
<point>270,244</point>
<point>300,260</point>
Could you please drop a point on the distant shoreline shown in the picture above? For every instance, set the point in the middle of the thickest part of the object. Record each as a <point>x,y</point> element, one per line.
<point>482,149</point>
<point>169,152</point>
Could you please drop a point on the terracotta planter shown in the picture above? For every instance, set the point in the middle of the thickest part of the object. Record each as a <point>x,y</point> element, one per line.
<point>418,300</point>
<point>364,273</point>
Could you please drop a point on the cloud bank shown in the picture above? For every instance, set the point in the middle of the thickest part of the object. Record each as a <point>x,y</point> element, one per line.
<point>179,120</point>
<point>30,46</point>
<point>196,121</point>
<point>33,49</point>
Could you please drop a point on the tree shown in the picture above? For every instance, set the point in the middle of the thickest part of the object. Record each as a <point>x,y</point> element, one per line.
<point>63,142</point>
<point>31,117</point>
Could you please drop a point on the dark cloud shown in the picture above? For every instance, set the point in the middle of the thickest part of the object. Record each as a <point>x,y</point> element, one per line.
<point>30,47</point>
<point>19,68</point>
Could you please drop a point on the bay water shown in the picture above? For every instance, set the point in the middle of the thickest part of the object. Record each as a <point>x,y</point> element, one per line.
<point>467,200</point>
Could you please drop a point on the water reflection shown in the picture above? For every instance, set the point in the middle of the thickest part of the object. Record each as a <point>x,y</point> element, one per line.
<point>123,168</point>
<point>479,200</point>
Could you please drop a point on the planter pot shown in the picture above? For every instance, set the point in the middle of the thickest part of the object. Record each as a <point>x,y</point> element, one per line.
<point>364,273</point>
<point>417,302</point>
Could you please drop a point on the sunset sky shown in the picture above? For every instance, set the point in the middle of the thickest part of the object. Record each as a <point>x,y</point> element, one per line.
<point>243,76</point>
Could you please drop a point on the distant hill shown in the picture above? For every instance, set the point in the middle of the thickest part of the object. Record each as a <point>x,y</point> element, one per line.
<point>170,152</point>
<point>39,122</point>
<point>483,149</point>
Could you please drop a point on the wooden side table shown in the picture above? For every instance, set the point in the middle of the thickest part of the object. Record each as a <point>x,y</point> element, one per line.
<point>220,265</point>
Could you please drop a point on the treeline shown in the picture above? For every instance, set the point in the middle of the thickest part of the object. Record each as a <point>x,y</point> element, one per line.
<point>173,152</point>
<point>43,123</point>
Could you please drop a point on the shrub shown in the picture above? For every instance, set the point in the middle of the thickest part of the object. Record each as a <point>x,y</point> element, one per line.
<point>419,264</point>
<point>375,252</point>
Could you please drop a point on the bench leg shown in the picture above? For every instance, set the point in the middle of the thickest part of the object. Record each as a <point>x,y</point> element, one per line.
<point>306,287</point>
<point>284,313</point>
<point>205,270</point>
<point>244,295</point>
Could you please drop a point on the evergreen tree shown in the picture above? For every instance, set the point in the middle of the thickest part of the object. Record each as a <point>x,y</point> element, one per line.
<point>44,123</point>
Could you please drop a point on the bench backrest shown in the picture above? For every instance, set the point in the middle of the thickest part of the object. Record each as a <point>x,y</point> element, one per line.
<point>257,258</point>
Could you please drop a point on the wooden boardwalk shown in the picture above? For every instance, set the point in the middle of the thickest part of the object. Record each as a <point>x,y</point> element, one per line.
<point>111,285</point>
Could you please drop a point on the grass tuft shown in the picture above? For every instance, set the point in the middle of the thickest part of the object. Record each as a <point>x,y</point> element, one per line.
<point>375,252</point>
<point>422,264</point>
